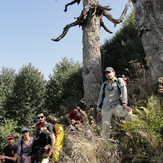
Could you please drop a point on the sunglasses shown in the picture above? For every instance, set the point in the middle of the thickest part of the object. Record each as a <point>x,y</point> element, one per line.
<point>107,72</point>
<point>10,139</point>
<point>25,132</point>
<point>41,117</point>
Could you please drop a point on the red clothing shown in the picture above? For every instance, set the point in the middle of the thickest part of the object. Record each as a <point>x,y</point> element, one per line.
<point>126,86</point>
<point>73,115</point>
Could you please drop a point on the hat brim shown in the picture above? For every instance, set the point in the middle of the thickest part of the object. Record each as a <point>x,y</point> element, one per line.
<point>10,138</point>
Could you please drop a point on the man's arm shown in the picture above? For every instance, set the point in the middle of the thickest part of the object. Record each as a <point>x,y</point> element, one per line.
<point>52,147</point>
<point>19,159</point>
<point>1,158</point>
<point>52,144</point>
<point>99,101</point>
<point>9,158</point>
<point>123,89</point>
<point>124,95</point>
<point>100,98</point>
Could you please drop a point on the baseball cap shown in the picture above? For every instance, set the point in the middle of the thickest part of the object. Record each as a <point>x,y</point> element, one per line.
<point>10,137</point>
<point>25,129</point>
<point>109,69</point>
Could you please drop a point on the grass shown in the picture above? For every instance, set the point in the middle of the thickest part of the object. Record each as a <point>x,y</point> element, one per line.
<point>137,141</point>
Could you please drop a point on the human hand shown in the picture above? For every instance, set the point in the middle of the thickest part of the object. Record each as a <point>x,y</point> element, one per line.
<point>99,115</point>
<point>2,157</point>
<point>125,107</point>
<point>45,154</point>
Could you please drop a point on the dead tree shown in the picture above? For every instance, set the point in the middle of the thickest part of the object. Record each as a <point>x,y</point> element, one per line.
<point>91,20</point>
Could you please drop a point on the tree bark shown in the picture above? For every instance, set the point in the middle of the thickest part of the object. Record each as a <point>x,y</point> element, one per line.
<point>92,69</point>
<point>149,19</point>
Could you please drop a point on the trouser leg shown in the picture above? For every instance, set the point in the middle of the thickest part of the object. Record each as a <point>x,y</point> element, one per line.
<point>106,122</point>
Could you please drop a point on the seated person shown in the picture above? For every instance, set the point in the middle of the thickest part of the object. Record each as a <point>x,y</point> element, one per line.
<point>10,151</point>
<point>76,116</point>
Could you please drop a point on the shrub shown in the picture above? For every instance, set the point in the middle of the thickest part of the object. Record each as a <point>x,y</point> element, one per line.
<point>143,140</point>
<point>6,128</point>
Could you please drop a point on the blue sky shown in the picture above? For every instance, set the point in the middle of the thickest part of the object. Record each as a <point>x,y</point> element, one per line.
<point>27,27</point>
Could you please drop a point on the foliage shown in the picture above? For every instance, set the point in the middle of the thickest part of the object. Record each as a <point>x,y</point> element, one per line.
<point>140,140</point>
<point>122,48</point>
<point>7,77</point>
<point>84,145</point>
<point>143,140</point>
<point>64,89</point>
<point>6,128</point>
<point>27,97</point>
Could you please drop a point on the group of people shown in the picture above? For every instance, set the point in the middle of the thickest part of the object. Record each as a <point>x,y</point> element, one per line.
<point>22,153</point>
<point>112,100</point>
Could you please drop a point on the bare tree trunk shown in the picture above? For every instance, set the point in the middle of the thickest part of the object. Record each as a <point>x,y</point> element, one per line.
<point>92,69</point>
<point>149,19</point>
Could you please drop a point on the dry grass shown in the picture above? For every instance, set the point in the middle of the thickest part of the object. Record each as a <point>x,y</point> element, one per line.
<point>84,145</point>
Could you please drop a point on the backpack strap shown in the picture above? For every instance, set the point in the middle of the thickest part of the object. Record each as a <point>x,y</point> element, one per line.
<point>21,146</point>
<point>118,83</point>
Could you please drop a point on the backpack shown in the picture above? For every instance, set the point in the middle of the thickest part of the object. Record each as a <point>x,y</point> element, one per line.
<point>103,94</point>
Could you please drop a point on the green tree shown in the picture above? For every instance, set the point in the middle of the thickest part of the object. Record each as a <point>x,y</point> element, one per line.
<point>27,97</point>
<point>7,77</point>
<point>65,88</point>
<point>6,127</point>
<point>123,48</point>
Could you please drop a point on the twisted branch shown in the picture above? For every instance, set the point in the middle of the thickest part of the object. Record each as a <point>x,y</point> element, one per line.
<point>99,10</point>
<point>80,20</point>
<point>71,3</point>
<point>65,30</point>
<point>106,29</point>
<point>117,21</point>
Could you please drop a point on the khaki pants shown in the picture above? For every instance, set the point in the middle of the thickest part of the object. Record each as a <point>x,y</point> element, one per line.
<point>107,117</point>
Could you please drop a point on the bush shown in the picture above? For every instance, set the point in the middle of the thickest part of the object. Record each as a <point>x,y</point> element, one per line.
<point>143,140</point>
<point>6,128</point>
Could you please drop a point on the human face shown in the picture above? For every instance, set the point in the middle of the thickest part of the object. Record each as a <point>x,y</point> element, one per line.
<point>41,118</point>
<point>10,141</point>
<point>110,75</point>
<point>25,134</point>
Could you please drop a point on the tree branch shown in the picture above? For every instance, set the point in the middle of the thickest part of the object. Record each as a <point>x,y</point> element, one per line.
<point>106,29</point>
<point>103,7</point>
<point>71,3</point>
<point>117,21</point>
<point>80,21</point>
<point>99,10</point>
<point>66,28</point>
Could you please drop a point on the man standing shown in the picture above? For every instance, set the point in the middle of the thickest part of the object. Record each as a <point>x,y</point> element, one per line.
<point>43,128</point>
<point>10,151</point>
<point>112,100</point>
